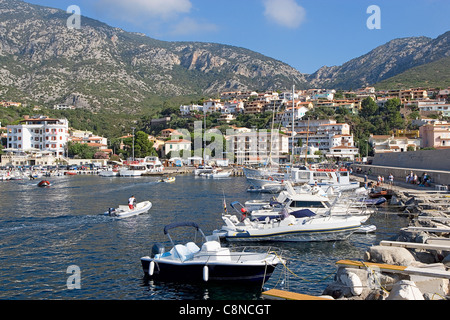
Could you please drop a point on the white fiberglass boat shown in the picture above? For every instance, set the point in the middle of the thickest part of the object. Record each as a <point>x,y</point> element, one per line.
<point>308,227</point>
<point>210,262</point>
<point>123,211</point>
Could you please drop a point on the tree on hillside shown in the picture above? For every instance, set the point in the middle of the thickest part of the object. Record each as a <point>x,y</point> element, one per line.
<point>368,108</point>
<point>80,151</point>
<point>142,146</point>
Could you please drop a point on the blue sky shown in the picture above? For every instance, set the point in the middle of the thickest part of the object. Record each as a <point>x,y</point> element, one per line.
<point>306,34</point>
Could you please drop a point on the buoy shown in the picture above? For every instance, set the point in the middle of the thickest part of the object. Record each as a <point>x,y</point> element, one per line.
<point>151,268</point>
<point>205,273</point>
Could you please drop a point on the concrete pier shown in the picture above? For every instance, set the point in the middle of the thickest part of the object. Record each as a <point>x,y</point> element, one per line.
<point>438,177</point>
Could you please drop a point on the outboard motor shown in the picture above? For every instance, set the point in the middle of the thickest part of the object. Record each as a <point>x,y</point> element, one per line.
<point>112,212</point>
<point>157,248</point>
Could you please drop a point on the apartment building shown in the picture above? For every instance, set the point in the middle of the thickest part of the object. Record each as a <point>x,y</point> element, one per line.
<point>331,138</point>
<point>435,135</point>
<point>38,134</point>
<point>391,143</point>
<point>438,106</point>
<point>257,146</point>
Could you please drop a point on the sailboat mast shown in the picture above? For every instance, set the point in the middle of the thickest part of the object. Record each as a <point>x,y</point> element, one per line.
<point>293,90</point>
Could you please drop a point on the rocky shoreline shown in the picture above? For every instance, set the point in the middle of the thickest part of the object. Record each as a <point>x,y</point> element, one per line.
<point>429,214</point>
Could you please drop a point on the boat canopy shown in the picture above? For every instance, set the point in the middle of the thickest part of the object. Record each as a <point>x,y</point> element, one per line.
<point>180,224</point>
<point>303,213</point>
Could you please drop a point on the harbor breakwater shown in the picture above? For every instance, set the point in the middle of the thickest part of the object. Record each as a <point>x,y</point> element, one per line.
<point>414,265</point>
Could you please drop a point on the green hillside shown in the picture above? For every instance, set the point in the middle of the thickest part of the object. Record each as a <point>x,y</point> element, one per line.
<point>430,75</point>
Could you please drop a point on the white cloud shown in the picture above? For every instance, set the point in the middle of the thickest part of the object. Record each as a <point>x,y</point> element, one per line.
<point>189,26</point>
<point>287,13</point>
<point>131,10</point>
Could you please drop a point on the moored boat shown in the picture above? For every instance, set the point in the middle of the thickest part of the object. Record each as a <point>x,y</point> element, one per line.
<point>210,262</point>
<point>306,228</point>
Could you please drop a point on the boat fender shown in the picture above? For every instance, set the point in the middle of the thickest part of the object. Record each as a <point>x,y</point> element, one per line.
<point>151,268</point>
<point>205,273</point>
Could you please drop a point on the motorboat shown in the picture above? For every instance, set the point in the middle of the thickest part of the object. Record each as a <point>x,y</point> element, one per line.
<point>381,192</point>
<point>303,226</point>
<point>203,169</point>
<point>313,199</point>
<point>208,262</point>
<point>218,174</point>
<point>44,183</point>
<point>133,170</point>
<point>264,180</point>
<point>109,173</point>
<point>168,179</point>
<point>339,179</point>
<point>124,211</point>
<point>293,216</point>
<point>153,164</point>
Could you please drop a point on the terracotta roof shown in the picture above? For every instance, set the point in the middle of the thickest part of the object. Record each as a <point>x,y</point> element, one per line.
<point>179,141</point>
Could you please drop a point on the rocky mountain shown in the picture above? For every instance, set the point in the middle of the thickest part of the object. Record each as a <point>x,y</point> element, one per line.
<point>99,66</point>
<point>383,62</point>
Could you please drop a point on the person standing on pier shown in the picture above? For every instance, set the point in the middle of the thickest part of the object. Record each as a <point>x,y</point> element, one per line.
<point>391,179</point>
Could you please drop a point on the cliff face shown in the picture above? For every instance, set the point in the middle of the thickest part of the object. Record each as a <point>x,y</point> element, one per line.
<point>99,66</point>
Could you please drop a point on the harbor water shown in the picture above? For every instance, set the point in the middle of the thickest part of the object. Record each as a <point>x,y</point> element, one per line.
<point>46,231</point>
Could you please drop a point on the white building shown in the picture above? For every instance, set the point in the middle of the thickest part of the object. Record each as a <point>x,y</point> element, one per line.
<point>176,146</point>
<point>212,106</point>
<point>300,109</point>
<point>235,106</point>
<point>389,143</point>
<point>39,134</point>
<point>257,146</point>
<point>331,138</point>
<point>435,106</point>
<point>187,109</point>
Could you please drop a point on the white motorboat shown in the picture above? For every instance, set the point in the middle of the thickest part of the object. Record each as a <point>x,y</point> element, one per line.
<point>109,173</point>
<point>210,262</point>
<point>124,211</point>
<point>339,179</point>
<point>308,227</point>
<point>133,170</point>
<point>153,164</point>
<point>218,174</point>
<point>312,198</point>
<point>203,169</point>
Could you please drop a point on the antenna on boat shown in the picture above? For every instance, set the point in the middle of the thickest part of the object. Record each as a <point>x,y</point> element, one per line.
<point>225,211</point>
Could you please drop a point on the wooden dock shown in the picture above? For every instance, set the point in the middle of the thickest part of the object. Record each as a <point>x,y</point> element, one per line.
<point>425,271</point>
<point>276,294</point>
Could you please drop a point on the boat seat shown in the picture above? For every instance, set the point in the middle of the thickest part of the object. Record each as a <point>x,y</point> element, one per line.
<point>192,247</point>
<point>181,252</point>
<point>211,246</point>
<point>217,252</point>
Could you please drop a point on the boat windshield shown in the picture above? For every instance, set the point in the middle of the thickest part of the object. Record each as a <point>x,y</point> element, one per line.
<point>306,204</point>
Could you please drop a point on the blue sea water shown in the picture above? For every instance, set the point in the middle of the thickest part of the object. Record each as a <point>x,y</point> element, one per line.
<point>44,231</point>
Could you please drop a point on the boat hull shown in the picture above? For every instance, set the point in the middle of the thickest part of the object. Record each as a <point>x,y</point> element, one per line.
<point>317,229</point>
<point>124,212</point>
<point>217,272</point>
<point>295,236</point>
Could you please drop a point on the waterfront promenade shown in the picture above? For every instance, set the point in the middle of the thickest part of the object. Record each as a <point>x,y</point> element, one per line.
<point>438,177</point>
